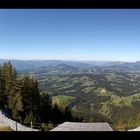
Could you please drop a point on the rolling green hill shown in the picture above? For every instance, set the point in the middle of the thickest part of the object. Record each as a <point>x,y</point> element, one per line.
<point>112,97</point>
<point>62,100</point>
<point>109,92</point>
<point>107,96</point>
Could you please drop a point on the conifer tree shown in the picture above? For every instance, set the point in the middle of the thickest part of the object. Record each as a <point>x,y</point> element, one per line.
<point>31,99</point>
<point>10,90</point>
<point>8,75</point>
<point>45,107</point>
<point>1,90</point>
<point>15,101</point>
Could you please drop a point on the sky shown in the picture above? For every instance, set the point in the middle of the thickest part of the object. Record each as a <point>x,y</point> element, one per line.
<point>70,34</point>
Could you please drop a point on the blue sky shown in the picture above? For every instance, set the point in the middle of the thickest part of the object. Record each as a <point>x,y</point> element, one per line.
<point>70,34</point>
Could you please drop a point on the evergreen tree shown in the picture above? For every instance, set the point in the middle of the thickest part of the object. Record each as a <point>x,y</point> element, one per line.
<point>67,114</point>
<point>9,90</point>
<point>45,107</point>
<point>1,90</point>
<point>15,101</point>
<point>36,100</point>
<point>31,99</point>
<point>8,75</point>
<point>56,115</point>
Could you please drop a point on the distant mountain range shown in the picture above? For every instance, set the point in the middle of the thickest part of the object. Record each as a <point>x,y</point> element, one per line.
<point>33,65</point>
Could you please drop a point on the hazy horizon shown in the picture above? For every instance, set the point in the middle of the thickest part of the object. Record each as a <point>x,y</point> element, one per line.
<point>70,34</point>
<point>65,60</point>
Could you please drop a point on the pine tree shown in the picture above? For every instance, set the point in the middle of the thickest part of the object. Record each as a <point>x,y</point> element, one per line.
<point>31,98</point>
<point>8,76</point>
<point>67,114</point>
<point>56,115</point>
<point>15,101</point>
<point>45,107</point>
<point>1,90</point>
<point>36,100</point>
<point>10,90</point>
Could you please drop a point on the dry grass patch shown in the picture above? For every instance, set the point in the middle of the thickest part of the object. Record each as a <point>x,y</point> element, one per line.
<point>5,128</point>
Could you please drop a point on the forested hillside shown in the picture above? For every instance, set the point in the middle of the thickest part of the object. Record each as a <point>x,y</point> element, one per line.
<point>109,92</point>
<point>110,96</point>
<point>79,92</point>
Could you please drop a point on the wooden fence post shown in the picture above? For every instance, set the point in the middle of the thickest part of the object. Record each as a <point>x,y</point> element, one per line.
<point>16,126</point>
<point>31,125</point>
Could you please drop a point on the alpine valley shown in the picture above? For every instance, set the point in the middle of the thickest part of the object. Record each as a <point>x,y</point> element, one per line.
<point>96,91</point>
